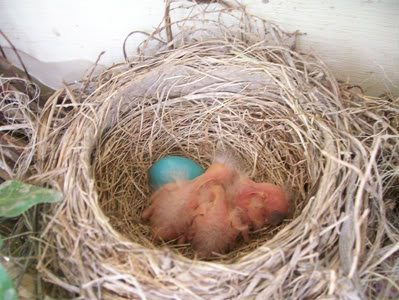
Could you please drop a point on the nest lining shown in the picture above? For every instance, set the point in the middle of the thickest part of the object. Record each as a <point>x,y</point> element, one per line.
<point>290,122</point>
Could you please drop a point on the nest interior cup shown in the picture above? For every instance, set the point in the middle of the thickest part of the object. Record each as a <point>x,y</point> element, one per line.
<point>282,112</point>
<point>192,125</point>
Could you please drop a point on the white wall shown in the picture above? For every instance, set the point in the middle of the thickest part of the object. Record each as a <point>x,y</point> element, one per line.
<point>59,39</point>
<point>358,39</point>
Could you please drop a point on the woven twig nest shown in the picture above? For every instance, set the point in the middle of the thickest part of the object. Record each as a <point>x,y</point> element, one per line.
<point>286,117</point>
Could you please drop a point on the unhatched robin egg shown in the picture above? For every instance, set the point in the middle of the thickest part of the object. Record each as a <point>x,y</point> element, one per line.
<point>172,168</point>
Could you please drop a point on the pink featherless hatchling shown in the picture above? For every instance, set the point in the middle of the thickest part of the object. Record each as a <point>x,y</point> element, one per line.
<point>174,205</point>
<point>213,209</point>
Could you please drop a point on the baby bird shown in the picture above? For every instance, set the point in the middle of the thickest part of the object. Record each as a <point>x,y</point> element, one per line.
<point>262,203</point>
<point>216,224</point>
<point>171,210</point>
<point>173,205</point>
<point>212,210</point>
<point>217,173</point>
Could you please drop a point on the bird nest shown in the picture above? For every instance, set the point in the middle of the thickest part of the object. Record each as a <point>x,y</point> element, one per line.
<point>226,77</point>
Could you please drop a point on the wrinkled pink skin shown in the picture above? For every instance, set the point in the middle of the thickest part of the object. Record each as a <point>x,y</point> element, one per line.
<point>212,210</point>
<point>171,210</point>
<point>216,224</point>
<point>262,203</point>
<point>174,205</point>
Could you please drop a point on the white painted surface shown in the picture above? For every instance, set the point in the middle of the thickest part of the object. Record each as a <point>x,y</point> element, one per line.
<point>358,39</point>
<point>60,39</point>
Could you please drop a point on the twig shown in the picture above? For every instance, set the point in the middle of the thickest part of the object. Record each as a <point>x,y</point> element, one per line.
<point>91,72</point>
<point>134,32</point>
<point>2,52</point>
<point>168,25</point>
<point>16,53</point>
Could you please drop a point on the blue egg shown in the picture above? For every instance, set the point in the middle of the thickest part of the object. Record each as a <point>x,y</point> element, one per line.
<point>171,168</point>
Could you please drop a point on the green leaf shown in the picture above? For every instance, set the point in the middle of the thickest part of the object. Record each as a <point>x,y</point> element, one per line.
<point>7,290</point>
<point>17,197</point>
